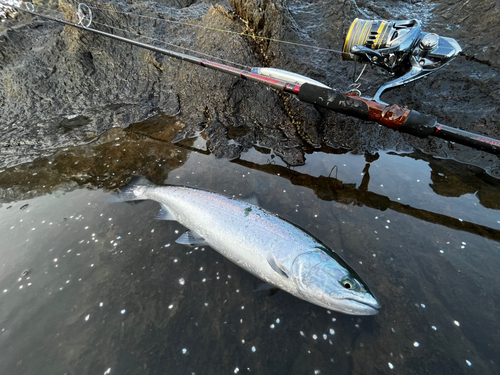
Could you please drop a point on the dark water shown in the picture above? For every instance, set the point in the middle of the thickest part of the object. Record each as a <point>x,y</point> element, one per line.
<point>93,287</point>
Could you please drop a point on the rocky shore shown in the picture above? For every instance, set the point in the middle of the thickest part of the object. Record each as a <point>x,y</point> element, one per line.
<point>60,86</point>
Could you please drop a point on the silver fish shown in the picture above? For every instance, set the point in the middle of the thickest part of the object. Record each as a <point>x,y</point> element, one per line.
<point>265,245</point>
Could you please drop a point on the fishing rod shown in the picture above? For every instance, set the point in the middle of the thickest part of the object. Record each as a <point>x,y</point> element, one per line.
<point>400,47</point>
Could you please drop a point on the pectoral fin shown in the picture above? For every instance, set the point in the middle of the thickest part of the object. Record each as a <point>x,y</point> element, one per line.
<point>191,239</point>
<point>276,266</point>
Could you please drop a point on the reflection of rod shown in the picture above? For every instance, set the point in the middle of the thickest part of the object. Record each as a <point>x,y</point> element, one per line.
<point>391,116</point>
<point>331,189</point>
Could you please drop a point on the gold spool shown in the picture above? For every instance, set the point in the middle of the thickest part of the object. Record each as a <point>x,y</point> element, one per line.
<point>371,34</point>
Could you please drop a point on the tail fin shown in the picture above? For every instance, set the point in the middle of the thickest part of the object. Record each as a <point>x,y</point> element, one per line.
<point>134,190</point>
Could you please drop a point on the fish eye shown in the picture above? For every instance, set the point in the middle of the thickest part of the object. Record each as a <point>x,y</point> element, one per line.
<point>348,283</point>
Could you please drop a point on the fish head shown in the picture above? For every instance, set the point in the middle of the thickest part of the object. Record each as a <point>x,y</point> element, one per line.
<point>325,279</point>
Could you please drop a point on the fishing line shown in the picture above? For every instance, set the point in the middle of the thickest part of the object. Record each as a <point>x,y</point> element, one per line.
<point>47,9</point>
<point>222,30</point>
<point>172,45</point>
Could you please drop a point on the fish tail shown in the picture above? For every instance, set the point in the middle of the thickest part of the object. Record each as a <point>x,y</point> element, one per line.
<point>134,190</point>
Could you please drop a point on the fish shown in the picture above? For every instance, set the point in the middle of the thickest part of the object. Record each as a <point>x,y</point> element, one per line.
<point>264,244</point>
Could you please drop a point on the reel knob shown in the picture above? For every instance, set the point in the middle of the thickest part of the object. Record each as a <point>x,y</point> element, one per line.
<point>429,41</point>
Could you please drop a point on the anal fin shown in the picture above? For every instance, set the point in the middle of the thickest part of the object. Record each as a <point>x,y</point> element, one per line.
<point>165,214</point>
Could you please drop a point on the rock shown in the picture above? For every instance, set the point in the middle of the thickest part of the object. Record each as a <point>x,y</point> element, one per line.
<point>61,86</point>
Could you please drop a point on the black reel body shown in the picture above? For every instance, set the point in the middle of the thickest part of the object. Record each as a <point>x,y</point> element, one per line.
<point>399,47</point>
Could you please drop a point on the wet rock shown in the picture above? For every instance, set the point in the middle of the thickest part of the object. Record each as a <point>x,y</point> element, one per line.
<point>60,86</point>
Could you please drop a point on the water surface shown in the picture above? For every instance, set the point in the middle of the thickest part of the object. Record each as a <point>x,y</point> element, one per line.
<point>93,287</point>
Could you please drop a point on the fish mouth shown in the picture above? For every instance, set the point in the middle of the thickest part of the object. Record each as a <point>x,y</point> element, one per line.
<point>366,307</point>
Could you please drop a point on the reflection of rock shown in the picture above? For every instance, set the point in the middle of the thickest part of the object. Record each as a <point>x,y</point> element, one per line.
<point>144,148</point>
<point>51,73</point>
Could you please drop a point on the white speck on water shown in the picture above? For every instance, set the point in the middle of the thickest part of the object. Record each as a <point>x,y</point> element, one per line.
<point>201,268</point>
<point>387,226</point>
<point>5,290</point>
<point>416,344</point>
<point>21,287</point>
<point>423,306</point>
<point>441,251</point>
<point>204,280</point>
<point>236,370</point>
<point>272,326</point>
<point>463,243</point>
<point>175,260</point>
<point>176,231</point>
<point>242,307</point>
<point>206,303</point>
<point>55,260</point>
<point>317,372</point>
<point>167,245</point>
<point>87,317</point>
<point>324,336</point>
<point>67,281</point>
<point>278,320</point>
<point>315,337</point>
<point>181,281</point>
<point>92,265</point>
<point>457,323</point>
<point>434,328</point>
<point>332,331</point>
<point>101,304</point>
<point>469,363</point>
<point>460,219</point>
<point>302,334</point>
<point>170,307</point>
<point>184,351</point>
<point>108,371</point>
<point>391,366</point>
<point>388,221</point>
<point>254,349</point>
<point>123,311</point>
<point>418,180</point>
<point>152,230</point>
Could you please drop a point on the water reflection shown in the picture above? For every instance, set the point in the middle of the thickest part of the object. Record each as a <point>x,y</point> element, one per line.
<point>102,288</point>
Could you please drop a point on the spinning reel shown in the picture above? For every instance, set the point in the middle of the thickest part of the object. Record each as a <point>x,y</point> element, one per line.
<point>399,47</point>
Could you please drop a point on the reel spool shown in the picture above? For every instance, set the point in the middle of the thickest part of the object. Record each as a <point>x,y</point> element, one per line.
<point>399,47</point>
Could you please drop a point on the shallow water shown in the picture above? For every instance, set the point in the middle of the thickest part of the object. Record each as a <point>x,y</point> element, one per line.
<point>93,287</point>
